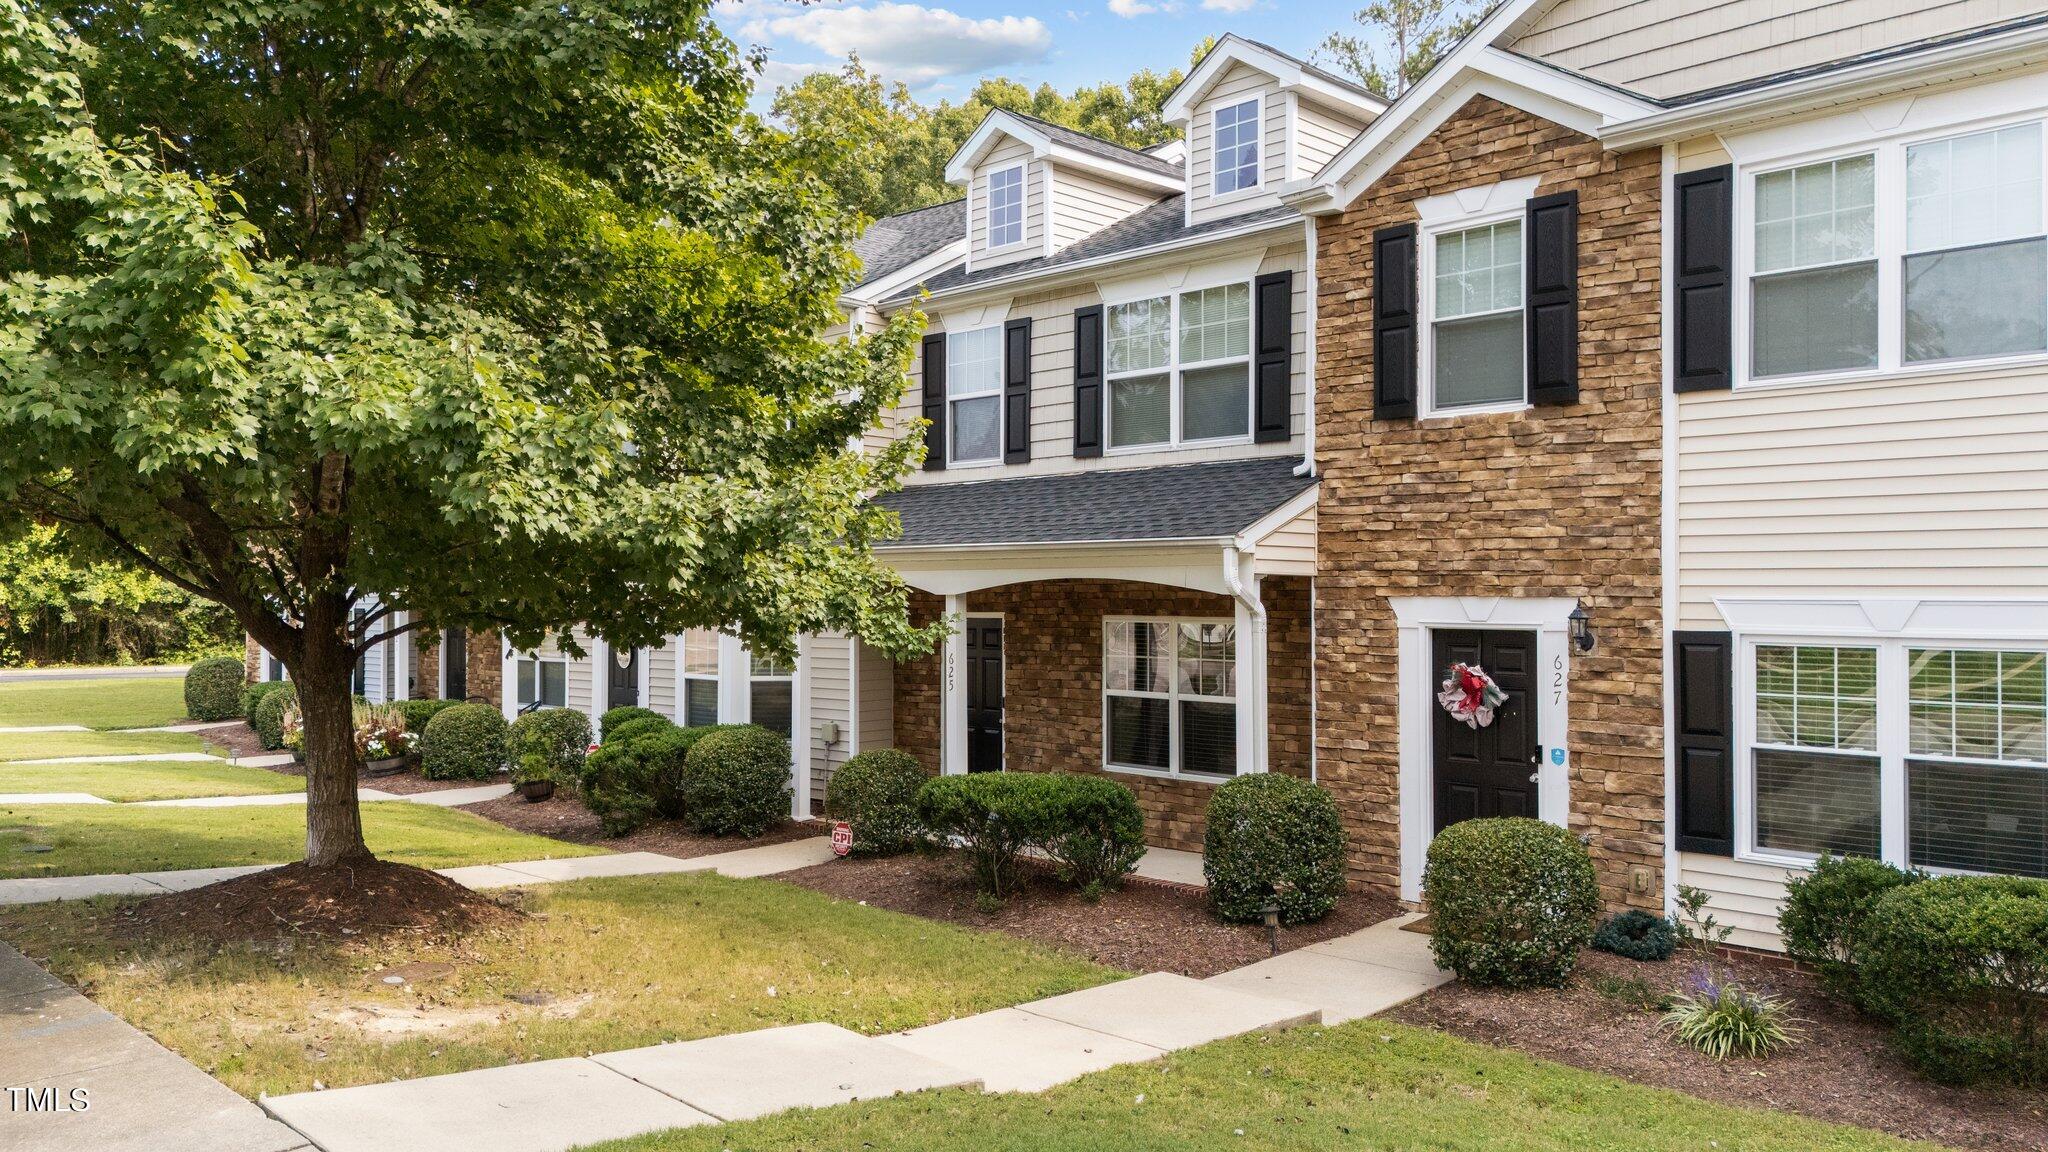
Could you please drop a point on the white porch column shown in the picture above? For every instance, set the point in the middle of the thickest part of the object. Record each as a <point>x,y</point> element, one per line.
<point>735,670</point>
<point>401,655</point>
<point>800,731</point>
<point>953,691</point>
<point>1251,673</point>
<point>508,680</point>
<point>600,657</point>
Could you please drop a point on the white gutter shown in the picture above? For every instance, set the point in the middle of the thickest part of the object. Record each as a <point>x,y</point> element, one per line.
<point>1308,449</point>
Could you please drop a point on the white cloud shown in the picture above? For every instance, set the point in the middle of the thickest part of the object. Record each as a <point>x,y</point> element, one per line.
<point>1130,8</point>
<point>776,73</point>
<point>904,41</point>
<point>1229,5</point>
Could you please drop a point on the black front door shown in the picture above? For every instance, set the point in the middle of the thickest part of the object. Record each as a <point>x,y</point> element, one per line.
<point>625,679</point>
<point>1488,771</point>
<point>455,664</point>
<point>984,695</point>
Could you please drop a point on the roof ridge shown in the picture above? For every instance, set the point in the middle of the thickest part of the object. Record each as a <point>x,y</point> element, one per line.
<point>1145,158</point>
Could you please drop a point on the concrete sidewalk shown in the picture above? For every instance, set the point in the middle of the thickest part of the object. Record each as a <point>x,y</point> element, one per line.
<point>448,798</point>
<point>136,672</point>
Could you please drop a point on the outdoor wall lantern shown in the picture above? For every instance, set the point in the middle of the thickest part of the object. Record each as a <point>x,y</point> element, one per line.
<point>1582,629</point>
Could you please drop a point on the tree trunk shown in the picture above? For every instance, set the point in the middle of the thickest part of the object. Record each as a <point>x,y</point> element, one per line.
<point>334,820</point>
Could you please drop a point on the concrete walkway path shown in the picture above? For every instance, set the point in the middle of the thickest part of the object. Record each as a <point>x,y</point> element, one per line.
<point>30,729</point>
<point>136,672</point>
<point>50,798</point>
<point>451,798</point>
<point>131,758</point>
<point>139,1095</point>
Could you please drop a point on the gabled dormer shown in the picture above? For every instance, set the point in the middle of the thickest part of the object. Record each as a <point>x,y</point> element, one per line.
<point>1033,187</point>
<point>1256,118</point>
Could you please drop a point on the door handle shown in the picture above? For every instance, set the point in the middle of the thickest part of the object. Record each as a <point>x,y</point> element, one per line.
<point>1533,776</point>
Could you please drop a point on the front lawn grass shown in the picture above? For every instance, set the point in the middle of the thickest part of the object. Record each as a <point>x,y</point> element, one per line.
<point>87,839</point>
<point>1370,1084</point>
<point>147,780</point>
<point>113,703</point>
<point>599,966</point>
<point>50,745</point>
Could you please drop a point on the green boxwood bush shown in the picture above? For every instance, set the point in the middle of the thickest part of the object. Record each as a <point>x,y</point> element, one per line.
<point>1637,935</point>
<point>628,730</point>
<point>614,787</point>
<point>996,816</point>
<point>254,694</point>
<point>560,737</point>
<point>1825,912</point>
<point>876,793</point>
<point>266,719</point>
<point>1273,837</point>
<point>213,689</point>
<point>1511,901</point>
<point>608,724</point>
<point>418,713</point>
<point>1099,833</point>
<point>1958,965</point>
<point>736,781</point>
<point>466,742</point>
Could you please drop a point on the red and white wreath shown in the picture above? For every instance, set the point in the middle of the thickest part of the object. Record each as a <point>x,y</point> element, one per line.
<point>1470,695</point>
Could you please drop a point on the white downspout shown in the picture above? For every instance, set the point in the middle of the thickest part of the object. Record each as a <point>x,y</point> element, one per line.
<point>1307,467</point>
<point>1256,646</point>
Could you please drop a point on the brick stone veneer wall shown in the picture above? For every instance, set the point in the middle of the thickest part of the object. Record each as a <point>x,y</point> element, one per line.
<point>1555,501</point>
<point>1052,656</point>
<point>252,659</point>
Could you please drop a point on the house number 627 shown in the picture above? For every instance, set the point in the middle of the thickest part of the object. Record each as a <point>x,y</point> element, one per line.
<point>1557,679</point>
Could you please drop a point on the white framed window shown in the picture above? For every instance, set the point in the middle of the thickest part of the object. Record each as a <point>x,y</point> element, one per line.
<point>1918,252</point>
<point>699,656</point>
<point>1169,696</point>
<point>1235,136</point>
<point>1475,352</point>
<point>1006,207</point>
<point>1179,368</point>
<point>543,681</point>
<point>974,396</point>
<point>771,694</point>
<point>1929,754</point>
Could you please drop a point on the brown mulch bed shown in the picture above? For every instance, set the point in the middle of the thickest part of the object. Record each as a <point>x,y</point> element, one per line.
<point>563,817</point>
<point>1143,927</point>
<point>1841,1070</point>
<point>238,740</point>
<point>370,898</point>
<point>398,783</point>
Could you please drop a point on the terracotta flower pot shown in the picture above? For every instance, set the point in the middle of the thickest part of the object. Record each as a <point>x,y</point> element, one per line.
<point>536,790</point>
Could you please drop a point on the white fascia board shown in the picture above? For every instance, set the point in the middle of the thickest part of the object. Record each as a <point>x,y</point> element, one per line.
<point>2015,49</point>
<point>1233,49</point>
<point>997,123</point>
<point>874,292</point>
<point>1123,173</point>
<point>1266,525</point>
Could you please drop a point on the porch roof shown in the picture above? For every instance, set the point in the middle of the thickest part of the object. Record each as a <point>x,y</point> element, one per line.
<point>1208,501</point>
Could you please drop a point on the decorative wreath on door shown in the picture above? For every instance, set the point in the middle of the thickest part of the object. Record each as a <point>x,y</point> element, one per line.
<point>1470,695</point>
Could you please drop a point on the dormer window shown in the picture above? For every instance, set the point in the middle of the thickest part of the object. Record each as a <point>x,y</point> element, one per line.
<point>1006,207</point>
<point>1237,147</point>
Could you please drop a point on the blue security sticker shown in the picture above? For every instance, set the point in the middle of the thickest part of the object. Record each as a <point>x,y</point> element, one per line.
<point>1557,756</point>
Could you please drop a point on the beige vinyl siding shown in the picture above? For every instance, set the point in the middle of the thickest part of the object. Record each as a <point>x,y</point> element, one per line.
<point>829,664</point>
<point>1052,385</point>
<point>1236,84</point>
<point>577,674</point>
<point>1740,895</point>
<point>661,679</point>
<point>1007,154</point>
<point>1702,152</point>
<point>1673,47</point>
<point>1319,134</point>
<point>1083,205</point>
<point>1289,550</point>
<point>876,699</point>
<point>1935,485</point>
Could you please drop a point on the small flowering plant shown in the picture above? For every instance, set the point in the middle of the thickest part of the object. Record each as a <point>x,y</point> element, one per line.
<point>293,729</point>
<point>1720,1018</point>
<point>381,733</point>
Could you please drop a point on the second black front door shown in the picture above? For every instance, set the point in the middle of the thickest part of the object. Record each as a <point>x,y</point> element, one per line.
<point>455,664</point>
<point>984,695</point>
<point>1488,771</point>
<point>625,679</point>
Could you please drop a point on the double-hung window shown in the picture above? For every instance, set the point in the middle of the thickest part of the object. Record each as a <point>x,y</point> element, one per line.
<point>543,681</point>
<point>771,694</point>
<point>1924,754</point>
<point>1170,696</point>
<point>1927,249</point>
<point>1237,147</point>
<point>1476,316</point>
<point>1179,367</point>
<point>1006,207</point>
<point>700,677</point>
<point>974,395</point>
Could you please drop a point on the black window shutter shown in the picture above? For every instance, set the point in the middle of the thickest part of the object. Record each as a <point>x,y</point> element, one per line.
<point>1552,300</point>
<point>1393,323</point>
<point>935,402</point>
<point>1704,300</point>
<point>1703,736</point>
<point>1088,381</point>
<point>1017,391</point>
<point>1273,359</point>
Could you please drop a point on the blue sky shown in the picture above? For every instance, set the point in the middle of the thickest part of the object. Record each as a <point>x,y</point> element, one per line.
<point>941,47</point>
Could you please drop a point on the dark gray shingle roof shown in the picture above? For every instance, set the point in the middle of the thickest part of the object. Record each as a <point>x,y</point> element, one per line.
<point>1096,146</point>
<point>1172,502</point>
<point>1324,73</point>
<point>894,243</point>
<point>1162,223</point>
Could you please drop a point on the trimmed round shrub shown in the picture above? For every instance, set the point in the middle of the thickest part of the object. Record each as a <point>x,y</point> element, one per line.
<point>1637,935</point>
<point>213,689</point>
<point>1273,837</point>
<point>266,719</point>
<point>876,793</point>
<point>1957,964</point>
<point>995,816</point>
<point>608,724</point>
<point>1825,912</point>
<point>1099,833</point>
<point>560,737</point>
<point>615,790</point>
<point>418,713</point>
<point>466,742</point>
<point>632,729</point>
<point>254,694</point>
<point>1511,901</point>
<point>736,781</point>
